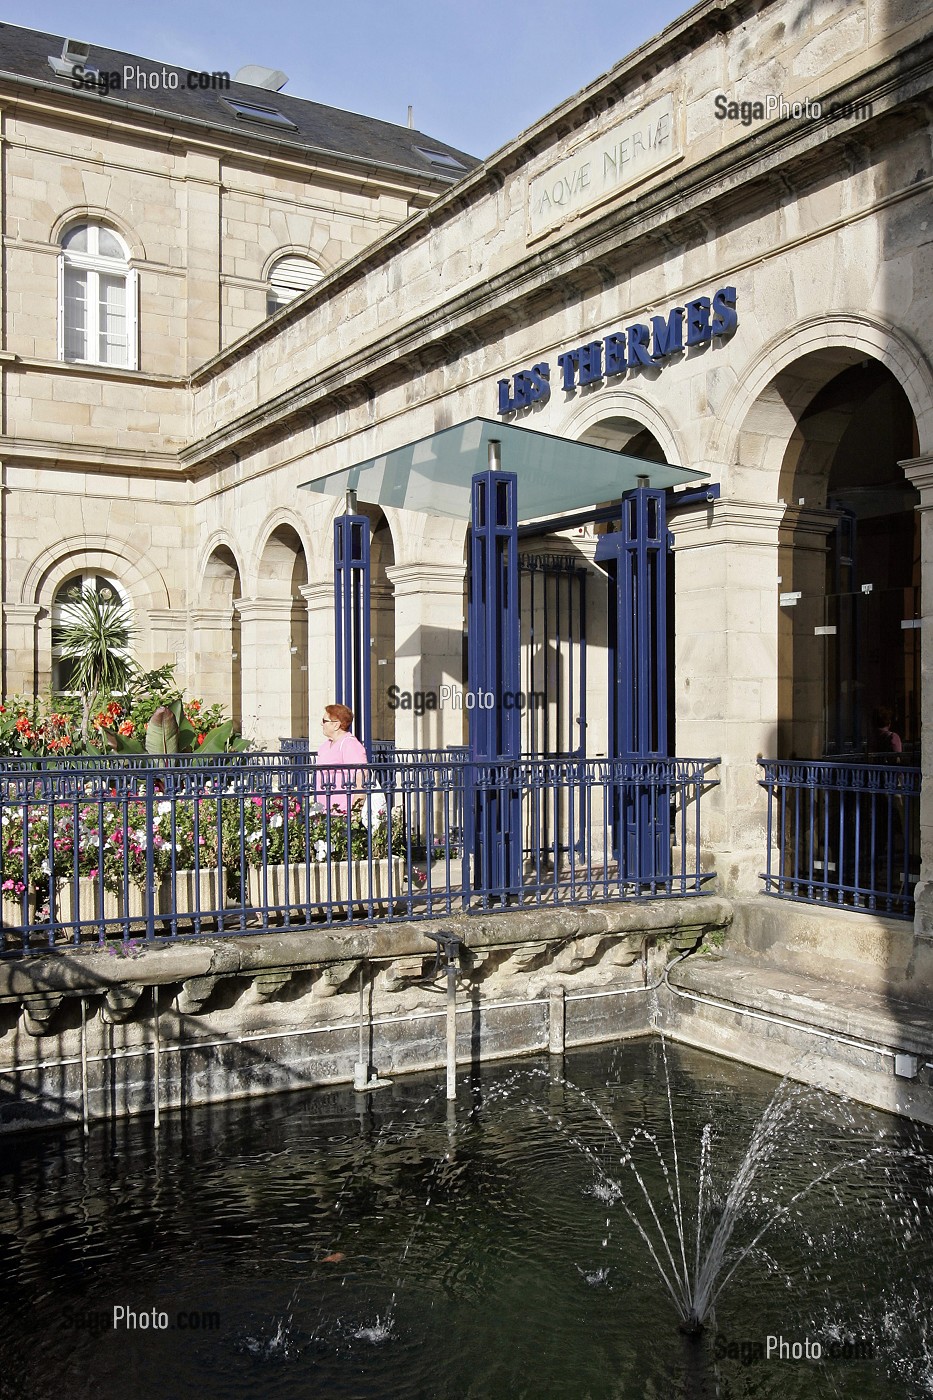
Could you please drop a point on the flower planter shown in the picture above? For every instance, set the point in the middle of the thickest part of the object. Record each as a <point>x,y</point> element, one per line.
<point>332,881</point>
<point>11,914</point>
<point>172,899</point>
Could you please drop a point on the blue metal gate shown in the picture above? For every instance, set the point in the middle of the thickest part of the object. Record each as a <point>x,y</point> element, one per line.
<point>353,681</point>
<point>493,810</point>
<point>637,555</point>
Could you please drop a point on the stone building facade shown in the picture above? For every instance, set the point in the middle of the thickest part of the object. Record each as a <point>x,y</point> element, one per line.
<point>776,150</point>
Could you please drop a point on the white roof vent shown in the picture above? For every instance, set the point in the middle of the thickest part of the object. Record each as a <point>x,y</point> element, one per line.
<point>74,55</point>
<point>254,75</point>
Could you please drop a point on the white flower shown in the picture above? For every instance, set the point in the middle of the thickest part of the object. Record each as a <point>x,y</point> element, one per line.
<point>276,820</point>
<point>164,809</point>
<point>320,850</point>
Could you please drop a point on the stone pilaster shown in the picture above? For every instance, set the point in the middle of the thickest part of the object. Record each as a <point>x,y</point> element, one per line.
<point>26,668</point>
<point>726,644</point>
<point>319,601</point>
<point>216,652</point>
<point>429,625</point>
<point>168,642</point>
<point>202,185</point>
<point>266,670</point>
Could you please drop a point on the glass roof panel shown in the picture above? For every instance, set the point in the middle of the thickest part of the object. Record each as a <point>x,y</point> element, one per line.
<point>555,475</point>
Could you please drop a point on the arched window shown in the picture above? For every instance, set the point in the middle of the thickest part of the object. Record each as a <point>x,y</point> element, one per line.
<point>66,595</point>
<point>288,278</point>
<point>97,298</point>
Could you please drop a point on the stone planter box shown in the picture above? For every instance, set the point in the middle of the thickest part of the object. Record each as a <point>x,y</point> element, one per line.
<point>288,886</point>
<point>11,915</point>
<point>178,898</point>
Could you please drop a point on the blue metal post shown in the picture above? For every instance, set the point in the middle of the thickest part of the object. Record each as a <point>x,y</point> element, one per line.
<point>638,673</point>
<point>494,680</point>
<point>353,680</point>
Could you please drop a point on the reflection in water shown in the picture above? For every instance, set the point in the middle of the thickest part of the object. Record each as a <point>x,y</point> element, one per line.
<point>307,1245</point>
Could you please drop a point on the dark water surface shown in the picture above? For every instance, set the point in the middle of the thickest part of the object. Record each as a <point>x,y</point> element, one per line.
<point>330,1244</point>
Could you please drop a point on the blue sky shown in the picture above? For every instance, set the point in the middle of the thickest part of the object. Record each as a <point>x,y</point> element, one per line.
<point>477,72</point>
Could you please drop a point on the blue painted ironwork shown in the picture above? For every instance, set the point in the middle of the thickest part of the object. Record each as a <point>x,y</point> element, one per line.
<point>553,640</point>
<point>352,629</point>
<point>119,853</point>
<point>494,815</point>
<point>845,834</point>
<point>638,666</point>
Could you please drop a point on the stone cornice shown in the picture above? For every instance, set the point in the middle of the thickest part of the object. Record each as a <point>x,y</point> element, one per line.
<point>919,472</point>
<point>92,457</point>
<point>663,213</point>
<point>427,577</point>
<point>732,521</point>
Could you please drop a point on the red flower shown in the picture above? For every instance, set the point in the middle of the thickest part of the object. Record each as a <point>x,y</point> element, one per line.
<point>126,728</point>
<point>201,738</point>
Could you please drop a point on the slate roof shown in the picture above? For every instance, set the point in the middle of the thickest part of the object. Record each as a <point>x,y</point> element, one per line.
<point>24,53</point>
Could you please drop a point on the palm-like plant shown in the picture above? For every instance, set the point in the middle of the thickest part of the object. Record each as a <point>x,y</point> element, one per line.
<point>96,636</point>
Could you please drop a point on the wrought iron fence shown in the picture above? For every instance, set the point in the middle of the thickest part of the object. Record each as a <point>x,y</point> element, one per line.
<point>176,848</point>
<point>841,833</point>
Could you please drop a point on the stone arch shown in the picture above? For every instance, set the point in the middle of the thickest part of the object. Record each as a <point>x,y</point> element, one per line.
<point>216,627</point>
<point>809,418</point>
<point>91,214</point>
<point>760,413</point>
<point>274,622</point>
<point>295,250</point>
<point>283,550</point>
<point>143,580</point>
<point>221,560</point>
<point>617,417</point>
<point>138,577</point>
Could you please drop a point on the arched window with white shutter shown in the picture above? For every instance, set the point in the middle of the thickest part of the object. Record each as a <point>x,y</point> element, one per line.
<point>288,278</point>
<point>97,298</point>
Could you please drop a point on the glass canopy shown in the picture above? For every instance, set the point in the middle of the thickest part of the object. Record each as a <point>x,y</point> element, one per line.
<point>555,474</point>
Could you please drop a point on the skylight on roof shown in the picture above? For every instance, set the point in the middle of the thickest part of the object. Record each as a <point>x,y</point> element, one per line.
<point>440,158</point>
<point>253,112</point>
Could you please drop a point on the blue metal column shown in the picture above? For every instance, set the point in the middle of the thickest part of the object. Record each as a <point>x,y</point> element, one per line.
<point>494,813</point>
<point>638,675</point>
<point>352,633</point>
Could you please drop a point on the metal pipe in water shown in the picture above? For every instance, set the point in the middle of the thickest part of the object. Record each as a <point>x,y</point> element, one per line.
<point>361,1068</point>
<point>84,1103</point>
<point>156,1055</point>
<point>451,1028</point>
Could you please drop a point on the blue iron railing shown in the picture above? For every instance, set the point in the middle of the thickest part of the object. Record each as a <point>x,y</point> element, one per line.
<point>841,833</point>
<point>177,848</point>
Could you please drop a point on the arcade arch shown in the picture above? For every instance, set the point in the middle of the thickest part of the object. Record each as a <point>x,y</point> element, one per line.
<point>279,618</point>
<point>848,558</point>
<point>218,643</point>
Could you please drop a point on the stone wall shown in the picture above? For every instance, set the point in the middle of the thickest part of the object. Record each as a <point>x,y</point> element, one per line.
<point>261,1013</point>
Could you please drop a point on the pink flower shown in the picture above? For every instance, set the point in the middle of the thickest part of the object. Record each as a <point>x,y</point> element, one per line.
<point>7,885</point>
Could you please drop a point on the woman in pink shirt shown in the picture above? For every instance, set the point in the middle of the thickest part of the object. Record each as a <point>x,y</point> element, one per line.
<point>341,751</point>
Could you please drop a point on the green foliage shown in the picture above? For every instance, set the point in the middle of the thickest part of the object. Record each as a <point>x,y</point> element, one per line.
<point>162,732</point>
<point>54,724</point>
<point>97,637</point>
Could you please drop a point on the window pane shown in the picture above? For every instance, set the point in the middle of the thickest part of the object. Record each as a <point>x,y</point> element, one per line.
<point>75,314</point>
<point>112,322</point>
<point>76,240</point>
<point>63,673</point>
<point>108,245</point>
<point>68,592</point>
